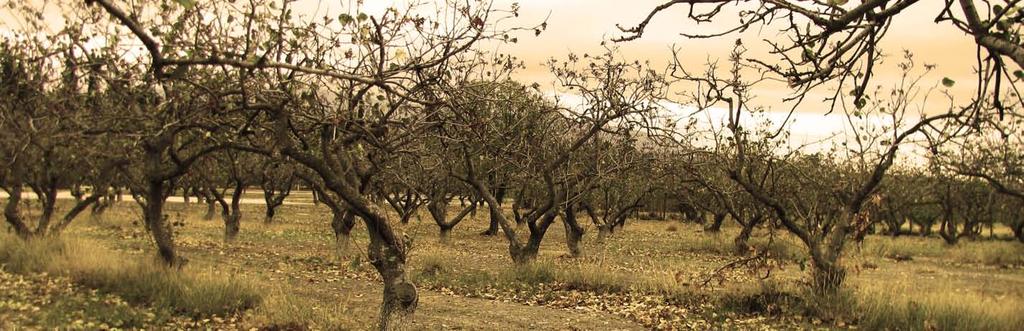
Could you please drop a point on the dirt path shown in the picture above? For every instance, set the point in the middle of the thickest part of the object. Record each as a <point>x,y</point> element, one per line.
<point>445,310</point>
<point>439,311</point>
<point>323,285</point>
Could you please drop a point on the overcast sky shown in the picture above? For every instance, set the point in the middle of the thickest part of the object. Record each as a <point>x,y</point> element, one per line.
<point>580,26</point>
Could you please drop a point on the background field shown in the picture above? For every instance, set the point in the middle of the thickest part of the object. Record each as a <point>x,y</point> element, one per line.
<point>657,274</point>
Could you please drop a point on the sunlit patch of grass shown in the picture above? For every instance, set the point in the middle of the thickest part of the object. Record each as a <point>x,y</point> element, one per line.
<point>716,243</point>
<point>723,243</point>
<point>86,263</point>
<point>901,247</point>
<point>435,269</point>
<point>282,310</point>
<point>996,253</point>
<point>886,308</point>
<point>537,272</point>
<point>987,252</point>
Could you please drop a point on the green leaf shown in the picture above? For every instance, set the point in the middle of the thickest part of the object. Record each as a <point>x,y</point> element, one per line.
<point>345,19</point>
<point>361,17</point>
<point>188,4</point>
<point>1019,74</point>
<point>948,82</point>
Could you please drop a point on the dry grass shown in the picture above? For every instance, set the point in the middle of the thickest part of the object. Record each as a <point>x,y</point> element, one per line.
<point>986,252</point>
<point>883,307</point>
<point>191,293</point>
<point>644,258</point>
<point>282,310</point>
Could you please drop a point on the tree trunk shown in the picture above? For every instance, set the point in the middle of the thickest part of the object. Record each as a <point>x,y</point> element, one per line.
<point>342,223</point>
<point>438,209</point>
<point>1018,231</point>
<point>156,223</point>
<point>926,227</point>
<point>101,206</point>
<point>211,206</point>
<point>77,192</point>
<point>13,215</point>
<point>827,275</point>
<point>620,221</point>
<point>742,248</point>
<point>77,209</point>
<point>715,225</point>
<point>492,228</point>
<point>528,253</point>
<point>445,234</point>
<point>233,222</point>
<point>269,216</point>
<point>573,231</point>
<point>400,299</point>
<point>897,228</point>
<point>406,216</point>
<point>603,231</point>
<point>948,232</point>
<point>48,200</point>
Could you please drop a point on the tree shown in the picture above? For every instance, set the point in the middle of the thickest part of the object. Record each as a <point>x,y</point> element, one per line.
<point>276,179</point>
<point>337,111</point>
<point>990,152</point>
<point>48,89</point>
<point>617,97</point>
<point>826,221</point>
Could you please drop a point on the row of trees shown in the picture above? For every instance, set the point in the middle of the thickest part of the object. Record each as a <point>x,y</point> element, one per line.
<point>403,110</point>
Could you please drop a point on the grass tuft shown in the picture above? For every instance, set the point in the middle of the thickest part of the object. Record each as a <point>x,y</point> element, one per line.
<point>986,252</point>
<point>881,309</point>
<point>149,283</point>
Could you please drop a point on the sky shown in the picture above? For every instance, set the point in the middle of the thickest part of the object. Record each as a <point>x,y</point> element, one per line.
<point>580,26</point>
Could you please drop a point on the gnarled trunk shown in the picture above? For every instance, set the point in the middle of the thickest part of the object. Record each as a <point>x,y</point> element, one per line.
<point>342,223</point>
<point>211,205</point>
<point>528,253</point>
<point>275,198</point>
<point>492,228</point>
<point>1018,231</point>
<point>232,222</point>
<point>156,223</point>
<point>827,275</point>
<point>268,216</point>
<point>573,230</point>
<point>12,212</point>
<point>388,257</point>
<point>438,208</point>
<point>77,192</point>
<point>716,224</point>
<point>741,240</point>
<point>77,209</point>
<point>47,196</point>
<point>948,231</point>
